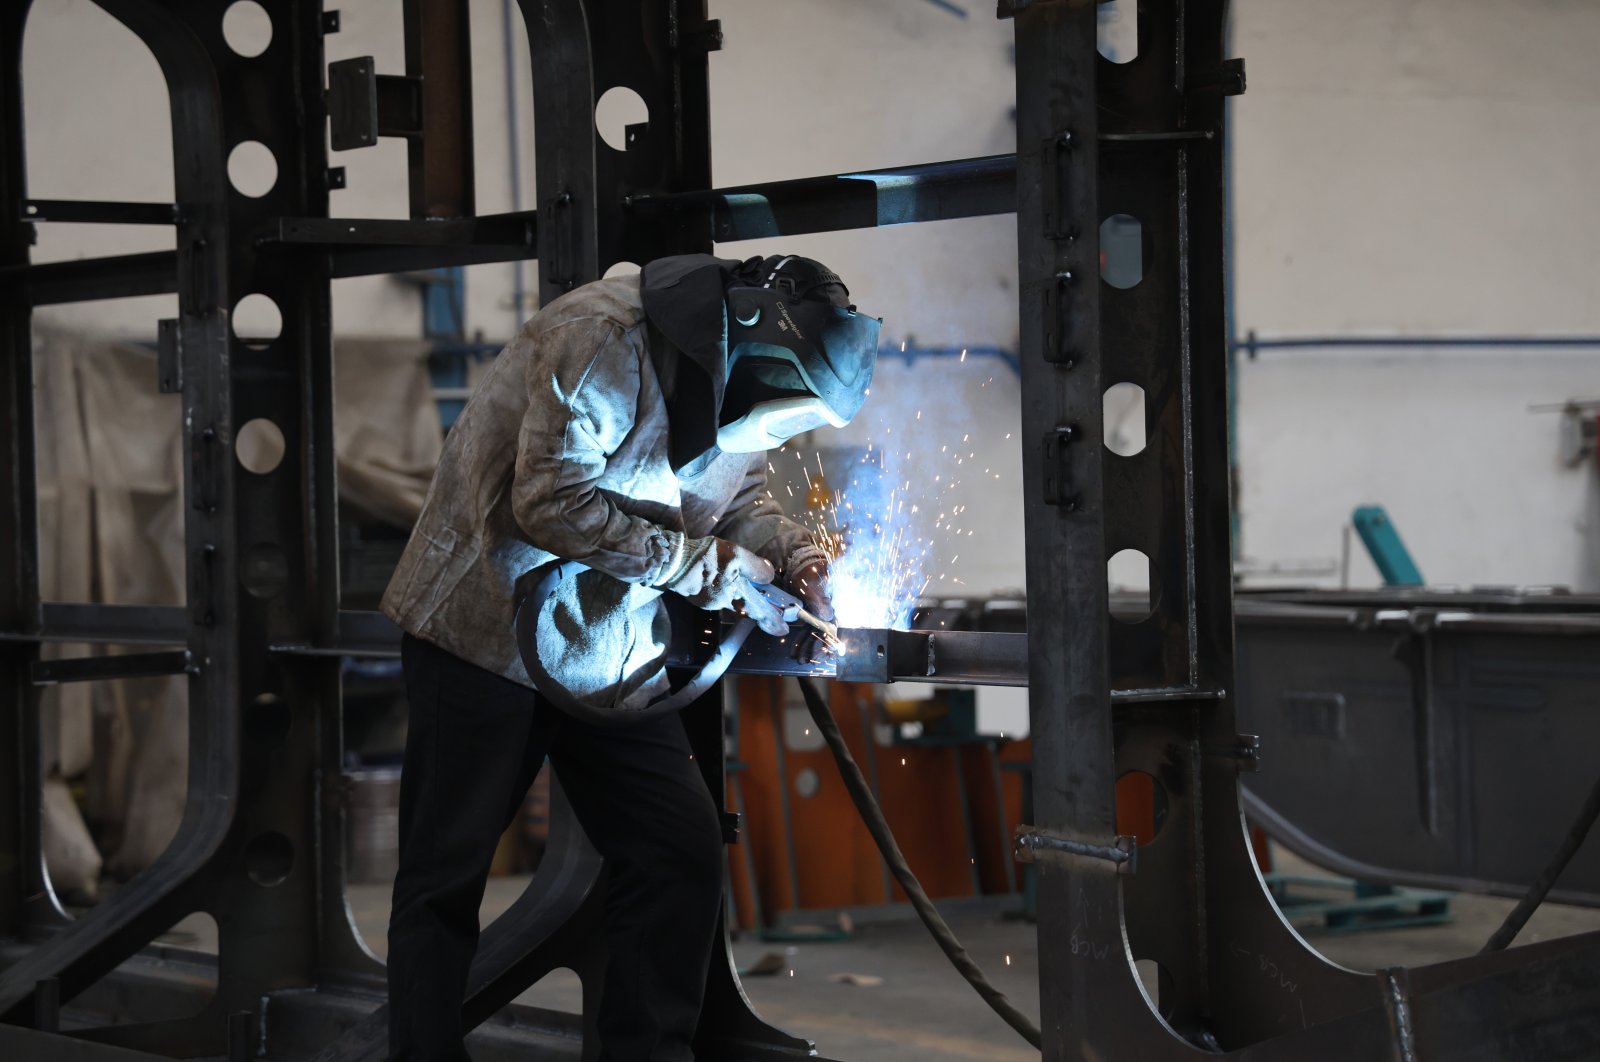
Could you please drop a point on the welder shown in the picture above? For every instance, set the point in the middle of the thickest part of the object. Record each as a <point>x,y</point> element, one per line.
<point>622,433</point>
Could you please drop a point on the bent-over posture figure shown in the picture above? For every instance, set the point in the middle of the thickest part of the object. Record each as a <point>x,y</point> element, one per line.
<point>625,428</point>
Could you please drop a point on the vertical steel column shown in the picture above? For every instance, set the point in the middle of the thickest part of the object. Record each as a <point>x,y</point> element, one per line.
<point>1142,138</point>
<point>103,937</point>
<point>23,882</point>
<point>268,892</point>
<point>564,135</point>
<point>439,55</point>
<point>1080,933</point>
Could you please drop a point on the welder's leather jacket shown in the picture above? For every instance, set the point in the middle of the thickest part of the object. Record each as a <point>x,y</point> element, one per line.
<point>562,452</point>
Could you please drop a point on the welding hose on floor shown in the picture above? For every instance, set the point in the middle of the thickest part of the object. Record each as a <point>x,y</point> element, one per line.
<point>872,816</point>
<point>1519,915</point>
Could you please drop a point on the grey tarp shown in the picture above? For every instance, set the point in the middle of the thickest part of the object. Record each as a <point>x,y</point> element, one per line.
<point>111,530</point>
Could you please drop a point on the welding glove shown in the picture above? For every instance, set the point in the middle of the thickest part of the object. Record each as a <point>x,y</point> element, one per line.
<point>810,584</point>
<point>716,574</point>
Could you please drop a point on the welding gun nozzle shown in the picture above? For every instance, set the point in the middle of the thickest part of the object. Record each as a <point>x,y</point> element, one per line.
<point>829,631</point>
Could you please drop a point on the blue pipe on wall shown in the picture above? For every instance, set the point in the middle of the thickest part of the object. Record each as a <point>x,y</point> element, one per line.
<point>910,354</point>
<point>1252,344</point>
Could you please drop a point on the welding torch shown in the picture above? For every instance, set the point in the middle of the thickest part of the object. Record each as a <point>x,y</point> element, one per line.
<point>794,610</point>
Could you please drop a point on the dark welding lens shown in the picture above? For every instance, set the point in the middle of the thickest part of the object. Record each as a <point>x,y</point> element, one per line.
<point>850,341</point>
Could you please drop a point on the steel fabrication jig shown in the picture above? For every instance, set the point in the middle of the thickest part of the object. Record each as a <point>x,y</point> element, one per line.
<point>262,634</point>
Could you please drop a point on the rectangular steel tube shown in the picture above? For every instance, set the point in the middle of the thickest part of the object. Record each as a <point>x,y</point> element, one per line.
<point>100,212</point>
<point>88,279</point>
<point>936,191</point>
<point>156,273</point>
<point>102,668</point>
<point>506,230</point>
<point>439,56</point>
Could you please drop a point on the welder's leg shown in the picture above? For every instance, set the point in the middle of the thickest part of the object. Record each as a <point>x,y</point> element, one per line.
<point>645,805</point>
<point>474,745</point>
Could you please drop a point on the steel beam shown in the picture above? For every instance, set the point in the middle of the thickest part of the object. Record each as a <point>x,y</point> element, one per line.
<point>353,246</point>
<point>90,279</point>
<point>103,668</point>
<point>903,195</point>
<point>491,230</point>
<point>24,887</point>
<point>439,57</point>
<point>100,213</point>
<point>1070,682</point>
<point>112,624</point>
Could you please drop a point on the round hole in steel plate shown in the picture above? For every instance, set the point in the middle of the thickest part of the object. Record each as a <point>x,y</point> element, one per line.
<point>257,321</point>
<point>1141,802</point>
<point>1131,579</point>
<point>266,720</point>
<point>1123,253</point>
<point>269,858</point>
<point>260,446</point>
<point>1157,983</point>
<point>1117,30</point>
<point>247,28</point>
<point>617,109</point>
<point>264,570</point>
<point>1123,409</point>
<point>252,168</point>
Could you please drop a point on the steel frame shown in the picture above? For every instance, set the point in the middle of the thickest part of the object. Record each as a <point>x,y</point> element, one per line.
<point>258,847</point>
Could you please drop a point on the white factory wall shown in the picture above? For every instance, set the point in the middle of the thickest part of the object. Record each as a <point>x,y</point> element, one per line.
<point>1409,169</point>
<point>1444,440</point>
<point>1419,168</point>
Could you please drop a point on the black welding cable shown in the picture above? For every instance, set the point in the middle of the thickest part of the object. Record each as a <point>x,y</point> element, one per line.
<point>872,815</point>
<point>1546,881</point>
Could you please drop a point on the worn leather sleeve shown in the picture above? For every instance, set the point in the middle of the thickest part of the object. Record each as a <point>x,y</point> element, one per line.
<point>757,522</point>
<point>583,399</point>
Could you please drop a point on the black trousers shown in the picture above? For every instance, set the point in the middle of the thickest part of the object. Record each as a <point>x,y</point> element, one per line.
<point>475,743</point>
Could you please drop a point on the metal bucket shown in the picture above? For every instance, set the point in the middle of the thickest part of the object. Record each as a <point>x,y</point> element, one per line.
<point>372,825</point>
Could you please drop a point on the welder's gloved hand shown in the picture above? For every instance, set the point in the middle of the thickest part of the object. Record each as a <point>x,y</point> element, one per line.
<point>810,583</point>
<point>716,574</point>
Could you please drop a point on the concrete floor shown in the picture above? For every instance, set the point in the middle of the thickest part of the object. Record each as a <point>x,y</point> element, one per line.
<point>922,1010</point>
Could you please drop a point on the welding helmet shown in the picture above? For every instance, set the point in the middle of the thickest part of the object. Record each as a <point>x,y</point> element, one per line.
<point>799,355</point>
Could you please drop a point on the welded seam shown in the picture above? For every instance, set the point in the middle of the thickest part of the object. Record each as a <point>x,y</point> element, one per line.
<point>1186,376</point>
<point>1399,1008</point>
